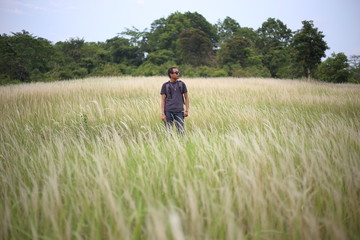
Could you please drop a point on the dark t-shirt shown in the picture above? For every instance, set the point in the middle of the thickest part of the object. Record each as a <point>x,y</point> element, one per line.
<point>174,101</point>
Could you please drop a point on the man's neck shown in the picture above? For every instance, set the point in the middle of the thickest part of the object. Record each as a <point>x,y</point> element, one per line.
<point>172,80</point>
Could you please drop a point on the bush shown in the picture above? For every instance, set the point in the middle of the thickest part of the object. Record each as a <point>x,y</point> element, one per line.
<point>5,79</point>
<point>254,71</point>
<point>108,69</point>
<point>241,73</point>
<point>291,71</point>
<point>63,75</point>
<point>202,71</point>
<point>334,69</point>
<point>219,73</point>
<point>37,76</point>
<point>188,71</point>
<point>148,69</point>
<point>355,75</point>
<point>80,72</point>
<point>160,57</point>
<point>258,71</point>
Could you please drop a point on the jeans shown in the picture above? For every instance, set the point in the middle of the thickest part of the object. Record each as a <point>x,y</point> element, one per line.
<point>178,118</point>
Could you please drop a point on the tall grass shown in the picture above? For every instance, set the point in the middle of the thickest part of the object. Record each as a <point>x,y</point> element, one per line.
<point>261,159</point>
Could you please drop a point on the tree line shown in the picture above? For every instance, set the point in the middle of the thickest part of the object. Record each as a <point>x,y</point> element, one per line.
<point>186,40</point>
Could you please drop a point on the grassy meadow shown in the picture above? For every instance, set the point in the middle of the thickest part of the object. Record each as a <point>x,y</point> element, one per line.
<point>261,159</point>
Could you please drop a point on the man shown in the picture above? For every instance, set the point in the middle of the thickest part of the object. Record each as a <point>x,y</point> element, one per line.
<point>173,97</point>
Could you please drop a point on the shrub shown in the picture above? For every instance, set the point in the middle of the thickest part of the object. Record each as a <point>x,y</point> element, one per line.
<point>254,71</point>
<point>160,57</point>
<point>148,69</point>
<point>219,73</point>
<point>334,69</point>
<point>108,69</point>
<point>80,72</point>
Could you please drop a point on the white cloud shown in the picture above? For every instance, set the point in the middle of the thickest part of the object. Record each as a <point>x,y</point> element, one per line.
<point>35,5</point>
<point>140,1</point>
<point>13,10</point>
<point>67,5</point>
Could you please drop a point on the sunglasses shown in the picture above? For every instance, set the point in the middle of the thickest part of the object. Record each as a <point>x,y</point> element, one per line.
<point>176,73</point>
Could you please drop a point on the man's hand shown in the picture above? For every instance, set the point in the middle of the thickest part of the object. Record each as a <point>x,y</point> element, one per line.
<point>163,117</point>
<point>186,113</point>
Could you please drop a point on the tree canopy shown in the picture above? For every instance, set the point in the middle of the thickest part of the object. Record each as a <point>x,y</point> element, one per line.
<point>334,69</point>
<point>309,47</point>
<point>186,40</point>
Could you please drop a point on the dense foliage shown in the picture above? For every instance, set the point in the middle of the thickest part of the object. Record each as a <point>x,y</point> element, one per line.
<point>186,40</point>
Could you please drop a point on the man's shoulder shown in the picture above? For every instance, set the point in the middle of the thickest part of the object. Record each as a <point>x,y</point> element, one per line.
<point>181,82</point>
<point>163,88</point>
<point>177,82</point>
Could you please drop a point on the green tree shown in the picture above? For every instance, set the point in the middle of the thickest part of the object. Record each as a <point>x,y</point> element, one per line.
<point>122,51</point>
<point>273,34</point>
<point>137,38</point>
<point>273,40</point>
<point>76,58</point>
<point>164,32</point>
<point>249,34</point>
<point>160,57</point>
<point>235,50</point>
<point>227,29</point>
<point>197,21</point>
<point>309,47</point>
<point>334,69</point>
<point>94,55</point>
<point>276,60</point>
<point>354,62</point>
<point>72,49</point>
<point>23,54</point>
<point>195,47</point>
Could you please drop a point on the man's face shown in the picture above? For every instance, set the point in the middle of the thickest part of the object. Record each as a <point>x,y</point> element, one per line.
<point>175,73</point>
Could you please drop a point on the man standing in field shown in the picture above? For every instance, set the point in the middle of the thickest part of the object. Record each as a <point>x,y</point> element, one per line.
<point>173,97</point>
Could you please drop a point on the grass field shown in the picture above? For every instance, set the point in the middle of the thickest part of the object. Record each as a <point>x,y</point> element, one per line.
<point>261,159</point>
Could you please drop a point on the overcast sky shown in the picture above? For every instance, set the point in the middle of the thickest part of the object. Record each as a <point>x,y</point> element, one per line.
<point>99,20</point>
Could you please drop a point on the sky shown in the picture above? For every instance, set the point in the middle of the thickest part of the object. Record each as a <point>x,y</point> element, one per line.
<point>99,20</point>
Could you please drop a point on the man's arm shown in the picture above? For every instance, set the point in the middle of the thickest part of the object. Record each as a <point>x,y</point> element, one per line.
<point>163,116</point>
<point>187,105</point>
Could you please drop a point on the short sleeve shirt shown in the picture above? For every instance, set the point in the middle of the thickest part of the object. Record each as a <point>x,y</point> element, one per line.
<point>174,101</point>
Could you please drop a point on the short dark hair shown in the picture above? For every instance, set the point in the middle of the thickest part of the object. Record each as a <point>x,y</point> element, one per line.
<point>170,70</point>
